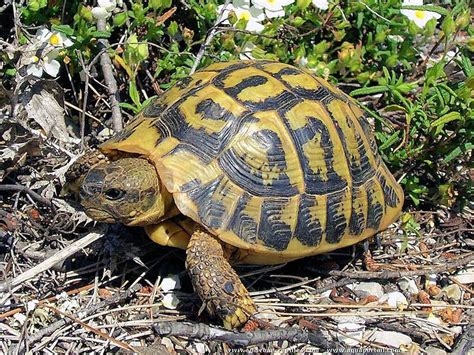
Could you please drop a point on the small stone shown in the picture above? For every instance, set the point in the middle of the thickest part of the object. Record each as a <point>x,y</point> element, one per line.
<point>353,330</point>
<point>349,319</point>
<point>453,292</point>
<point>170,301</point>
<point>431,280</point>
<point>435,351</point>
<point>365,289</point>
<point>168,344</point>
<point>19,317</point>
<point>465,276</point>
<point>457,330</point>
<point>409,286</point>
<point>393,339</point>
<point>394,299</point>
<point>201,348</point>
<point>170,282</point>
<point>434,320</point>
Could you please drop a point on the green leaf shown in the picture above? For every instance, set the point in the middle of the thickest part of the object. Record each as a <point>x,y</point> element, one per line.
<point>464,148</point>
<point>451,116</point>
<point>101,34</point>
<point>392,108</point>
<point>128,106</point>
<point>390,141</point>
<point>133,92</point>
<point>120,19</point>
<point>438,9</point>
<point>66,29</point>
<point>370,90</point>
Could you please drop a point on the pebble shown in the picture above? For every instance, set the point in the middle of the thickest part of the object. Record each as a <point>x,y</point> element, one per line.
<point>453,292</point>
<point>465,276</point>
<point>171,282</point>
<point>394,299</point>
<point>353,330</point>
<point>435,351</point>
<point>394,339</point>
<point>365,289</point>
<point>408,285</point>
<point>170,301</point>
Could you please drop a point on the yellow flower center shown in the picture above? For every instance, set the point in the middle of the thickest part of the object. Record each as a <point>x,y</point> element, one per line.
<point>244,15</point>
<point>420,14</point>
<point>35,59</point>
<point>271,1</point>
<point>55,40</point>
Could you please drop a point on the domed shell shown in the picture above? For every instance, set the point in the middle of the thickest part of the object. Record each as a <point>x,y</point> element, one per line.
<point>268,157</point>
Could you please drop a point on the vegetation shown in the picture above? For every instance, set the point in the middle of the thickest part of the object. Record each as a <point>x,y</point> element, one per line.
<point>409,64</point>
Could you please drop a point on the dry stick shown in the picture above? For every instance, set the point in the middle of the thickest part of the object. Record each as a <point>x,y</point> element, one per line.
<point>44,332</point>
<point>204,332</point>
<point>97,332</point>
<point>52,298</point>
<point>48,263</point>
<point>30,192</point>
<point>209,38</point>
<point>397,274</point>
<point>106,64</point>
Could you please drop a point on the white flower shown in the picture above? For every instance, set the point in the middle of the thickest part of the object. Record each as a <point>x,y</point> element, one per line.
<point>55,39</point>
<point>246,51</point>
<point>46,63</point>
<point>273,8</point>
<point>321,4</point>
<point>420,18</point>
<point>105,8</point>
<point>302,61</point>
<point>252,15</point>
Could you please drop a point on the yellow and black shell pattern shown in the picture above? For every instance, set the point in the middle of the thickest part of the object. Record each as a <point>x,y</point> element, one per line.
<point>270,158</point>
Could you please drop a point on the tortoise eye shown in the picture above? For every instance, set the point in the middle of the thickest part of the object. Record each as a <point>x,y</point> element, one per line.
<point>114,194</point>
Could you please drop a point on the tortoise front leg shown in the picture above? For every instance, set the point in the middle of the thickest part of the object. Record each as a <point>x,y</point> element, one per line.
<point>216,283</point>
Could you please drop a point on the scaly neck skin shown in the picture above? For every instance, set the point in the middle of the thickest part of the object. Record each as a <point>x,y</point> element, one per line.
<point>164,209</point>
<point>127,191</point>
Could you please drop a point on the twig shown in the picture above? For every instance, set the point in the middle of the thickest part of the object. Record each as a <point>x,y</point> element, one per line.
<point>209,38</point>
<point>97,332</point>
<point>106,64</point>
<point>48,263</point>
<point>465,342</point>
<point>36,196</point>
<point>117,298</point>
<point>397,274</point>
<point>204,332</point>
<point>52,298</point>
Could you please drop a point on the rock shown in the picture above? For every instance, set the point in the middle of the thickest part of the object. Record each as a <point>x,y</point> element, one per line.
<point>431,280</point>
<point>353,330</point>
<point>171,282</point>
<point>394,339</point>
<point>170,301</point>
<point>453,292</point>
<point>434,320</point>
<point>365,289</point>
<point>465,276</point>
<point>394,299</point>
<point>435,351</point>
<point>349,319</point>
<point>408,285</point>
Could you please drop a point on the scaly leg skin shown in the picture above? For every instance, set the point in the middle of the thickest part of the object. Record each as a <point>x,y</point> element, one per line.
<point>215,282</point>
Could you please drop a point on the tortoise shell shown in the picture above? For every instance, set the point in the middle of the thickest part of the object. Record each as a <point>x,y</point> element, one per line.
<point>268,157</point>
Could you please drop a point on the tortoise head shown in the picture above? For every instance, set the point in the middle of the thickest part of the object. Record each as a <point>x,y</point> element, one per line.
<point>127,191</point>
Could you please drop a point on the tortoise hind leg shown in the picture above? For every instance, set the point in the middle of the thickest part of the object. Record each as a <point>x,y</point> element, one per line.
<point>216,283</point>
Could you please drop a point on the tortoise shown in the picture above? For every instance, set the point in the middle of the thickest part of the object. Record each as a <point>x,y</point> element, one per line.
<point>244,162</point>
